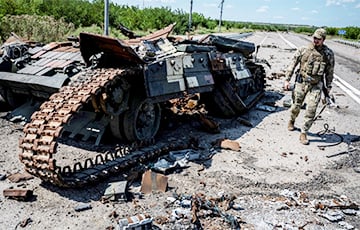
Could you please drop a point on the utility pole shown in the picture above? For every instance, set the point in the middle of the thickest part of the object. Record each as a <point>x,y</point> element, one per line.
<point>190,16</point>
<point>106,18</point>
<point>221,10</point>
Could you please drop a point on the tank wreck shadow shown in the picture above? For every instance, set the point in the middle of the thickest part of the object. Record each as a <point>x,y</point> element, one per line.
<point>177,127</point>
<point>208,142</point>
<point>328,137</point>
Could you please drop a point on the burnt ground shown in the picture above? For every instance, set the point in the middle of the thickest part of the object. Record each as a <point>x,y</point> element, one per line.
<point>271,182</point>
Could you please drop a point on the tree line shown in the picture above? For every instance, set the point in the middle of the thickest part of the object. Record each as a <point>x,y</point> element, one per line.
<point>50,20</point>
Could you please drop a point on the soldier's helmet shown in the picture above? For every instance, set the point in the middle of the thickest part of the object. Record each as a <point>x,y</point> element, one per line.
<point>320,33</point>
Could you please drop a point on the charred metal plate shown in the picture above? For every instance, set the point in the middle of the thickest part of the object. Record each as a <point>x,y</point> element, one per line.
<point>196,70</point>
<point>217,62</point>
<point>34,50</point>
<point>51,46</point>
<point>59,63</point>
<point>31,70</point>
<point>49,55</point>
<point>51,59</point>
<point>225,44</point>
<point>34,81</point>
<point>91,44</point>
<point>166,46</point>
<point>116,191</point>
<point>237,66</point>
<point>152,181</point>
<point>163,33</point>
<point>40,62</point>
<point>137,222</point>
<point>174,66</point>
<point>191,48</point>
<point>18,194</point>
<point>165,77</point>
<point>45,71</point>
<point>75,56</point>
<point>172,84</point>
<point>155,71</point>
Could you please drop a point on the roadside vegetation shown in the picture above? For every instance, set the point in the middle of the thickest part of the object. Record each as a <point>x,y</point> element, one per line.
<point>54,20</point>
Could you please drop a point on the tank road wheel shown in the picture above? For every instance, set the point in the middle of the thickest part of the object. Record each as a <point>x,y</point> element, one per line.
<point>142,120</point>
<point>117,97</point>
<point>116,127</point>
<point>12,99</point>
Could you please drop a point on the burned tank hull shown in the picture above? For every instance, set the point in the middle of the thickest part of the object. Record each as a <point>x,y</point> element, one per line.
<point>122,86</point>
<point>36,71</point>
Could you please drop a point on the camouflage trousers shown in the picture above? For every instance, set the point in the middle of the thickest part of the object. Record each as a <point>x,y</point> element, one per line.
<point>312,94</point>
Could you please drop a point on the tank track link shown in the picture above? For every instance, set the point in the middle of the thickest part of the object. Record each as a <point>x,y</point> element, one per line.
<point>41,135</point>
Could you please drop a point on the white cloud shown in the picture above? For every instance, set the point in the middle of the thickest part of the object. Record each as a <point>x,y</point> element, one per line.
<point>304,18</point>
<point>295,9</point>
<point>332,2</point>
<point>262,9</point>
<point>338,2</point>
<point>357,6</point>
<point>210,5</point>
<point>314,12</point>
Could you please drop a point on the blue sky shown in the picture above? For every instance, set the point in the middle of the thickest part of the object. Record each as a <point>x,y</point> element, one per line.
<point>333,13</point>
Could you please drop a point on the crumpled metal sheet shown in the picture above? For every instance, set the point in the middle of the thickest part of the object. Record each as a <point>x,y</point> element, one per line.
<point>152,181</point>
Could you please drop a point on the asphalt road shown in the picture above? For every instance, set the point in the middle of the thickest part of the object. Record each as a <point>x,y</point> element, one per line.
<point>347,60</point>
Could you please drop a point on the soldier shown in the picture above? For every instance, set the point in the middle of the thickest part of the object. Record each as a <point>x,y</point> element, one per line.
<point>316,70</point>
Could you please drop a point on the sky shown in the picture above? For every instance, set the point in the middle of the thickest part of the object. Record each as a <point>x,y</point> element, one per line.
<point>331,13</point>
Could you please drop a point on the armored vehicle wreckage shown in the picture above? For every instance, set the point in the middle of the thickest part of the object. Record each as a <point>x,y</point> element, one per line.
<point>95,83</point>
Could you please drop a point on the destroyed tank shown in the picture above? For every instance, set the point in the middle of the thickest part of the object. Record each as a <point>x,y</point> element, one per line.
<point>95,84</point>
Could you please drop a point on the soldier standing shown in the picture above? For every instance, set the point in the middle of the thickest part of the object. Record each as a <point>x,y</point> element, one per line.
<point>316,70</point>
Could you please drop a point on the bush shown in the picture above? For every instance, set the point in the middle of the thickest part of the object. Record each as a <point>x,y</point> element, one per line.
<point>36,28</point>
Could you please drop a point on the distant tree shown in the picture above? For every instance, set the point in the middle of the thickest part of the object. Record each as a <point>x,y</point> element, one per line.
<point>211,24</point>
<point>198,20</point>
<point>306,30</point>
<point>352,32</point>
<point>332,31</point>
<point>90,13</point>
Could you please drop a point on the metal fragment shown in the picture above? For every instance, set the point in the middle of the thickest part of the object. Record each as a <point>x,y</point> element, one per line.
<point>18,194</point>
<point>152,181</point>
<point>82,207</point>
<point>116,191</point>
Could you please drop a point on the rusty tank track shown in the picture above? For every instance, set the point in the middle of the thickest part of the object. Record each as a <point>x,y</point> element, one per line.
<point>42,133</point>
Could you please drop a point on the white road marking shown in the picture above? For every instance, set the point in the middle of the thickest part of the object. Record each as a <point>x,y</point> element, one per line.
<point>341,83</point>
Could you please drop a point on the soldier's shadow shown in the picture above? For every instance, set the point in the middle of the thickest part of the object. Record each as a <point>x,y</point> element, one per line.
<point>329,137</point>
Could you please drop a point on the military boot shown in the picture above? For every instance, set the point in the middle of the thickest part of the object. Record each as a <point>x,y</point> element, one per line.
<point>291,126</point>
<point>303,139</point>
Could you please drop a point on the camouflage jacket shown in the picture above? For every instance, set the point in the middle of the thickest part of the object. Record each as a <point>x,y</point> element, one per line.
<point>315,64</point>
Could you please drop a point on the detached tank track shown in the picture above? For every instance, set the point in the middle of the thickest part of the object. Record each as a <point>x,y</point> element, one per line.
<point>42,133</point>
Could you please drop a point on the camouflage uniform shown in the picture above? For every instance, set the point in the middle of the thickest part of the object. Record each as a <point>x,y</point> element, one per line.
<point>316,69</point>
